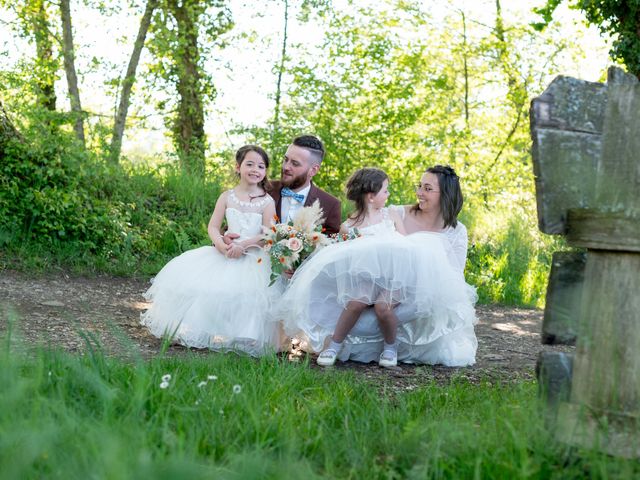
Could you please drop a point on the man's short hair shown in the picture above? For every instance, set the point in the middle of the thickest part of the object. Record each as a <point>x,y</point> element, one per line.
<point>313,144</point>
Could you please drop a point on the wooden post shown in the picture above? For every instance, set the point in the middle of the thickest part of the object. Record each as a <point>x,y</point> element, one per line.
<point>591,195</point>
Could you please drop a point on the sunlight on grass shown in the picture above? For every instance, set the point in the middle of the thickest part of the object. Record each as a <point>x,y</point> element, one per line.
<point>228,416</point>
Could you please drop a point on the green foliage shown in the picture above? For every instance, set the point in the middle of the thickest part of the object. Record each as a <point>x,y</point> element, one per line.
<point>181,38</point>
<point>90,416</point>
<point>57,201</point>
<point>509,259</point>
<point>617,19</point>
<point>389,87</point>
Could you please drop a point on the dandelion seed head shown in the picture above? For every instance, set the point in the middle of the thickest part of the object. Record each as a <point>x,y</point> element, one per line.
<point>202,384</point>
<point>164,385</point>
<point>166,377</point>
<point>237,389</point>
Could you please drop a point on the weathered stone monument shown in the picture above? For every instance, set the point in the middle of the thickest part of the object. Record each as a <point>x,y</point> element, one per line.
<point>586,156</point>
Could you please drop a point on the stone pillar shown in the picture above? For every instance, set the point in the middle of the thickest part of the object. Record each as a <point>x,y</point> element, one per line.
<point>586,152</point>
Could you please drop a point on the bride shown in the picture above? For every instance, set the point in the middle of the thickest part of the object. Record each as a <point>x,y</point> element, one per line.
<point>421,276</point>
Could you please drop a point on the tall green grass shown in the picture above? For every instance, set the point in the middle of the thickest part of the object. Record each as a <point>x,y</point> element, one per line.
<point>64,416</point>
<point>509,258</point>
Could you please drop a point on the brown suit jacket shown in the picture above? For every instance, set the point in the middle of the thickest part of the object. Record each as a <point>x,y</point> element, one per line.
<point>330,205</point>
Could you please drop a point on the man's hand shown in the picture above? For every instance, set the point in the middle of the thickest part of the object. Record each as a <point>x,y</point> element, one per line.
<point>235,250</point>
<point>223,248</point>
<point>288,274</point>
<point>228,238</point>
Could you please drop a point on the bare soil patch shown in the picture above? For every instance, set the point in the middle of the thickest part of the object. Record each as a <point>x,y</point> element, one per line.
<point>56,309</point>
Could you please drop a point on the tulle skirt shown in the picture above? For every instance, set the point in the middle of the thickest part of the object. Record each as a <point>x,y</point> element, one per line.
<point>433,303</point>
<point>203,299</point>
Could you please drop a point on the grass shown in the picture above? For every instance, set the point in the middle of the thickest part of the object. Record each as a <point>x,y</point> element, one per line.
<point>90,416</point>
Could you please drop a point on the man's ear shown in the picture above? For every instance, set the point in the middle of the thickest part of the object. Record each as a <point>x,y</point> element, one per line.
<point>314,169</point>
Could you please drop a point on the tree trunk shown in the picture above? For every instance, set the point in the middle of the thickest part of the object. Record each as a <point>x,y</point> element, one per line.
<point>517,88</point>
<point>466,69</point>
<point>127,82</point>
<point>7,131</point>
<point>189,125</point>
<point>70,69</point>
<point>46,65</point>
<point>276,114</point>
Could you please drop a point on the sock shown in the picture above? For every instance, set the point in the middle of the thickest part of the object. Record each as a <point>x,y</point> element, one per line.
<point>390,347</point>
<point>335,346</point>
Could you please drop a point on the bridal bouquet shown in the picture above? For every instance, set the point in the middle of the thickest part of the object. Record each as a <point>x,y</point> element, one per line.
<point>289,244</point>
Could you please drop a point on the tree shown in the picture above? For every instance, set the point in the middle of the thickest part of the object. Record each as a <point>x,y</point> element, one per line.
<point>70,69</point>
<point>618,19</point>
<point>128,80</point>
<point>8,131</point>
<point>182,35</point>
<point>280,69</point>
<point>35,25</point>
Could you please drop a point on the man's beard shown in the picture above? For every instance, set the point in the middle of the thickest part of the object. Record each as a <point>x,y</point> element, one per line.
<point>295,182</point>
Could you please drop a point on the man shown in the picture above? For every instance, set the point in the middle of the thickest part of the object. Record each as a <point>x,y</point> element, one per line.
<point>295,189</point>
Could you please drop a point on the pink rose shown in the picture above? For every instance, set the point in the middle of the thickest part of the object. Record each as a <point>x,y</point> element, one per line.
<point>294,244</point>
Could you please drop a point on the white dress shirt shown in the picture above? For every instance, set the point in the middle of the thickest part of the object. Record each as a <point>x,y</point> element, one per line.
<point>289,207</point>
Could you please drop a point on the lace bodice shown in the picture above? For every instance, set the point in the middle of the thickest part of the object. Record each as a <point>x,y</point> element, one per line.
<point>245,218</point>
<point>384,227</point>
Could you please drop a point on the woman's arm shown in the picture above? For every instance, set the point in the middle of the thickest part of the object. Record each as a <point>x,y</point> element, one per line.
<point>397,221</point>
<point>459,243</point>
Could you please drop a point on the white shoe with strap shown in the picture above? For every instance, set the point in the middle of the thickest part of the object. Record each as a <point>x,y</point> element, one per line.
<point>327,358</point>
<point>388,358</point>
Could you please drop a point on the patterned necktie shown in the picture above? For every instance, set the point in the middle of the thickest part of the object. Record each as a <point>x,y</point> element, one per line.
<point>287,192</point>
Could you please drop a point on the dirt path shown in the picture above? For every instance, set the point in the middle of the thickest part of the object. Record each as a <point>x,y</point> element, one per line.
<point>55,308</point>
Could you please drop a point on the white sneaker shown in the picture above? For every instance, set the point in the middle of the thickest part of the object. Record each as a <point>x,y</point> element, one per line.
<point>388,358</point>
<point>327,358</point>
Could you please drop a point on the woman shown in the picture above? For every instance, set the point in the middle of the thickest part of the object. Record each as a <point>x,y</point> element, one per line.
<point>422,272</point>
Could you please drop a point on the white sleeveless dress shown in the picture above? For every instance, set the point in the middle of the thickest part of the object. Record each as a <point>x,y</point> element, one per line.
<point>205,300</point>
<point>421,273</point>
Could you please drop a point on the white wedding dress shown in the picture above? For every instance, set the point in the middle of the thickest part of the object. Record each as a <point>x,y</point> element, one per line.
<point>205,300</point>
<point>422,273</point>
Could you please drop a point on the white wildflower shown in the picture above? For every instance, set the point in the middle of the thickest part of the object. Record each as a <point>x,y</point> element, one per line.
<point>166,377</point>
<point>164,385</point>
<point>212,377</point>
<point>237,389</point>
<point>202,384</point>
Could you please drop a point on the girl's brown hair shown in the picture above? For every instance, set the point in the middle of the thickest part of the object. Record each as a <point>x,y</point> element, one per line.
<point>362,182</point>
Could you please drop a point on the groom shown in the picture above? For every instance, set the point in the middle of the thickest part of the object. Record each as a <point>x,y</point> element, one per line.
<point>295,189</point>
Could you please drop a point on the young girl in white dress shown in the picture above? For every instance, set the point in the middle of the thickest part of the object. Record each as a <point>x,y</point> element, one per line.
<point>330,291</point>
<point>421,279</point>
<point>217,297</point>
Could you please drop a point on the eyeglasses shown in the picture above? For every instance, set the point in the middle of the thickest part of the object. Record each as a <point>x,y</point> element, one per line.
<point>426,188</point>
